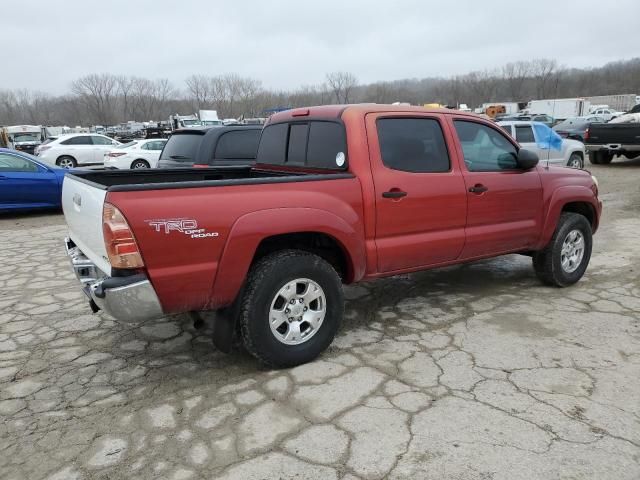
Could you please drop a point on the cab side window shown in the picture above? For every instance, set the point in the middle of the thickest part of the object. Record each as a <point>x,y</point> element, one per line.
<point>13,163</point>
<point>485,149</point>
<point>413,145</point>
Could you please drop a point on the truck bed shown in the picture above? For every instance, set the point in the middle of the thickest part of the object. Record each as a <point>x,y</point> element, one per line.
<point>160,179</point>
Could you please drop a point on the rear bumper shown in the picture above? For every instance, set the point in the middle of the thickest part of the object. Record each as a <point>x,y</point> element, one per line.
<point>131,298</point>
<point>612,147</point>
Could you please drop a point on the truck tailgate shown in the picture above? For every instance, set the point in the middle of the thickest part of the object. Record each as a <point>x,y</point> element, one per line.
<point>622,133</point>
<point>82,205</point>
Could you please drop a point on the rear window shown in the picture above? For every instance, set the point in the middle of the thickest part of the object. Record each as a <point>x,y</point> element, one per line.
<point>326,142</point>
<point>297,154</point>
<point>315,144</point>
<point>241,144</point>
<point>182,148</point>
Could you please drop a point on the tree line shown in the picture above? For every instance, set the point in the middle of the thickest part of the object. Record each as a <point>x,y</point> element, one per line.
<point>107,99</point>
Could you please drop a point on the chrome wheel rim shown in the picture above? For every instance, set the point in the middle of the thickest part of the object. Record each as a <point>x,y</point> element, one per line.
<point>297,311</point>
<point>66,163</point>
<point>138,165</point>
<point>575,162</point>
<point>572,251</point>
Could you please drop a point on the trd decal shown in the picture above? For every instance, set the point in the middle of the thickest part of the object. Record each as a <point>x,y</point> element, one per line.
<point>186,226</point>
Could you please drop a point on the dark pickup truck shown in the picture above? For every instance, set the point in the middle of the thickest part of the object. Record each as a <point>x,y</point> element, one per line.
<point>605,140</point>
<point>211,147</point>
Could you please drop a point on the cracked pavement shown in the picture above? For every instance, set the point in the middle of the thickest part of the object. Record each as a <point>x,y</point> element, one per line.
<point>469,372</point>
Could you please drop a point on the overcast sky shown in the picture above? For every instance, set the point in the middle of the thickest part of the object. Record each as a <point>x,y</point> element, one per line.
<point>288,43</point>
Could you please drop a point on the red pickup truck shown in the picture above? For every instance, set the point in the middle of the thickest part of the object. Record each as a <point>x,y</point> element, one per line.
<point>340,194</point>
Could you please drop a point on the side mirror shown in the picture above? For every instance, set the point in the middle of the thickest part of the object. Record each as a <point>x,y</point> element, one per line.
<point>527,159</point>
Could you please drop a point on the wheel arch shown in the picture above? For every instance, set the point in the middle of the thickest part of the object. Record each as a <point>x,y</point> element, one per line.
<point>575,199</point>
<point>257,234</point>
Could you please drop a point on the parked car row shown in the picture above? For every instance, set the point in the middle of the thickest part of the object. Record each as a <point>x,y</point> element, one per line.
<point>238,146</point>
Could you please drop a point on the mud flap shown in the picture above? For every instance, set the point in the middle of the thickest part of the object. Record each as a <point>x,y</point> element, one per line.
<point>224,330</point>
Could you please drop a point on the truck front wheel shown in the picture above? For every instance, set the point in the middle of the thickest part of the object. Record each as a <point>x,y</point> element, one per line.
<point>291,308</point>
<point>565,259</point>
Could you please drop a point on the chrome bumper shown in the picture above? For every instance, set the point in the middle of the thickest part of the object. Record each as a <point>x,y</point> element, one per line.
<point>124,298</point>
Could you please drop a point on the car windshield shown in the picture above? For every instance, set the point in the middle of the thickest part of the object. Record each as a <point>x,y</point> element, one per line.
<point>26,137</point>
<point>191,123</point>
<point>127,145</point>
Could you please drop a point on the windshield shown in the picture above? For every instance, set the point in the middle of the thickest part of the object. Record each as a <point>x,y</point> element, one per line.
<point>26,137</point>
<point>127,145</point>
<point>191,123</point>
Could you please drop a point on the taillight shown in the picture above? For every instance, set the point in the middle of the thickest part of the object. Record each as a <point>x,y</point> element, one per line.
<point>200,165</point>
<point>586,134</point>
<point>115,154</point>
<point>119,241</point>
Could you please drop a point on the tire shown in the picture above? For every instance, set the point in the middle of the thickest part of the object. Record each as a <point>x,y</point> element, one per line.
<point>575,161</point>
<point>594,158</point>
<point>66,161</point>
<point>606,158</point>
<point>139,163</point>
<point>548,263</point>
<point>266,293</point>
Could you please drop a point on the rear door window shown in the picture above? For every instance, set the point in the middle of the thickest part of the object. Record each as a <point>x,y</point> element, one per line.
<point>182,147</point>
<point>239,144</point>
<point>524,134</point>
<point>97,140</point>
<point>81,140</point>
<point>413,145</point>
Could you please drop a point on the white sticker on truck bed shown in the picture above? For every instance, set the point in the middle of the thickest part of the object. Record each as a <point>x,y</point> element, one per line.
<point>186,226</point>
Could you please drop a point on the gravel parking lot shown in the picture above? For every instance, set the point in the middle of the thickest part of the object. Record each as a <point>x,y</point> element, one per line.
<point>471,372</point>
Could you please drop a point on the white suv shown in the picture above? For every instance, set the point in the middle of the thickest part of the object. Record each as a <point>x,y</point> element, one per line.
<point>69,151</point>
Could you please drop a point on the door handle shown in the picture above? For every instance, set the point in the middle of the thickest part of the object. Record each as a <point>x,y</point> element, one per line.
<point>478,188</point>
<point>394,193</point>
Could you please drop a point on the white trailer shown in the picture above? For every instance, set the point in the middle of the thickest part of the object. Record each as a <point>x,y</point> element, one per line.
<point>560,108</point>
<point>621,103</point>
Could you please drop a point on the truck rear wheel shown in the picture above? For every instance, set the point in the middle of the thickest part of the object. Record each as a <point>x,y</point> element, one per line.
<point>565,259</point>
<point>291,308</point>
<point>606,158</point>
<point>594,158</point>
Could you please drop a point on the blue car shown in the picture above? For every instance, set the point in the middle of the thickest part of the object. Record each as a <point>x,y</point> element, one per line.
<point>27,183</point>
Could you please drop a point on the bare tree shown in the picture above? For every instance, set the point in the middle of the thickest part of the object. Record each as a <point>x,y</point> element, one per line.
<point>97,92</point>
<point>515,75</point>
<point>199,89</point>
<point>342,85</point>
<point>545,73</point>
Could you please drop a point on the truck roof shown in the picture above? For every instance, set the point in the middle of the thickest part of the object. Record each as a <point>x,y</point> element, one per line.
<point>336,111</point>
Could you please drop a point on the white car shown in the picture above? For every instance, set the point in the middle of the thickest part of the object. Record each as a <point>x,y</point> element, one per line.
<point>136,154</point>
<point>549,146</point>
<point>606,113</point>
<point>71,150</point>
